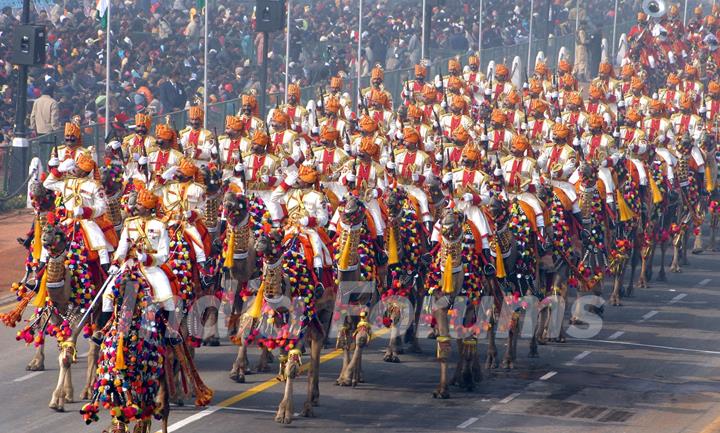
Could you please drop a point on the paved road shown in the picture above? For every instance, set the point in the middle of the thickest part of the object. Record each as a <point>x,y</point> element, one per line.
<point>653,368</point>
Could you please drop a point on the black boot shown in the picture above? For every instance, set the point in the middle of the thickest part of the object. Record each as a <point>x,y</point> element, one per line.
<point>97,336</point>
<point>381,255</point>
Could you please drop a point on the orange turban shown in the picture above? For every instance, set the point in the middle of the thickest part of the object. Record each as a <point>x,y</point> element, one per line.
<point>377,73</point>
<point>498,116</point>
<point>595,121</point>
<point>72,130</point>
<point>714,87</point>
<point>234,123</point>
<point>307,173</point>
<point>627,70</point>
<point>85,162</point>
<point>633,115</point>
<point>429,91</point>
<point>474,60</point>
<point>196,112</point>
<point>147,199</point>
<point>261,138</point>
<point>690,70</point>
<point>575,98</point>
<point>336,82</point>
<point>672,79</point>
<point>378,97</point>
<point>710,20</point>
<point>367,124</point>
<point>420,71</point>
<point>637,83</point>
<point>656,105</point>
<point>328,133</point>
<point>501,71</point>
<point>454,82</point>
<point>471,153</point>
<point>560,131</point>
<point>686,101</point>
<point>538,106</point>
<point>453,65</point>
<point>457,102</point>
<point>332,105</point>
<point>564,66</point>
<point>460,134</point>
<point>535,86</point>
<point>249,100</point>
<point>280,117</point>
<point>596,92</point>
<point>164,132</point>
<point>541,68</point>
<point>568,80</point>
<point>605,68</point>
<point>294,89</point>
<point>143,119</point>
<point>187,167</point>
<point>414,112</point>
<point>411,135</point>
<point>513,98</point>
<point>673,11</point>
<point>520,143</point>
<point>368,146</point>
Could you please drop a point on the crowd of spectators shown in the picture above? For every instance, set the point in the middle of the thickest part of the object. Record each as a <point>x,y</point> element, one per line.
<point>157,50</point>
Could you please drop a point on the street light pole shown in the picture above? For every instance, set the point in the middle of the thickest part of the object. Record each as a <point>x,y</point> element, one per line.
<point>530,35</point>
<point>287,51</point>
<point>107,70</point>
<point>359,51</point>
<point>20,142</point>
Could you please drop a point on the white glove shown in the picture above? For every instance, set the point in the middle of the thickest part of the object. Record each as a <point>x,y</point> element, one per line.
<point>114,145</point>
<point>322,220</point>
<point>439,157</point>
<point>447,177</point>
<point>443,105</point>
<point>291,178</point>
<point>136,156</point>
<point>188,214</point>
<point>54,162</point>
<point>78,211</point>
<point>467,197</point>
<point>429,146</point>
<point>114,269</point>
<point>143,160</point>
<point>374,193</point>
<point>390,165</point>
<point>265,178</point>
<point>213,151</point>
<point>169,173</point>
<point>350,177</point>
<point>315,130</point>
<point>415,177</point>
<point>67,165</point>
<point>347,148</point>
<point>283,163</point>
<point>239,166</point>
<point>141,257</point>
<point>304,221</point>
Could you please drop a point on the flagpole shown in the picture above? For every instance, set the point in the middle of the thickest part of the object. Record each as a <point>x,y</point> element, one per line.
<point>613,43</point>
<point>422,37</point>
<point>480,30</point>
<point>287,51</point>
<point>359,51</point>
<point>529,62</point>
<point>205,68</point>
<point>107,70</point>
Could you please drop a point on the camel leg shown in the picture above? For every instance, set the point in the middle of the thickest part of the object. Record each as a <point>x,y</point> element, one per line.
<point>239,367</point>
<point>444,345</point>
<point>350,375</point>
<point>391,352</point>
<point>713,234</point>
<point>508,361</point>
<point>313,391</point>
<point>263,366</point>
<point>62,392</point>
<point>533,352</point>
<point>698,244</point>
<point>37,363</point>
<point>684,249</point>
<point>285,409</point>
<point>460,366</point>
<point>491,358</point>
<point>413,335</point>
<point>675,265</point>
<point>210,326</point>
<point>91,371</point>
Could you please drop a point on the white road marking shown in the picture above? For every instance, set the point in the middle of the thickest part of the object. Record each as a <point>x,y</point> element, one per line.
<point>678,297</point>
<point>579,357</point>
<point>548,375</point>
<point>653,346</point>
<point>616,335</point>
<point>648,315</point>
<point>510,398</point>
<point>192,418</point>
<point>249,409</point>
<point>672,290</point>
<point>28,376</point>
<point>468,422</point>
<point>704,282</point>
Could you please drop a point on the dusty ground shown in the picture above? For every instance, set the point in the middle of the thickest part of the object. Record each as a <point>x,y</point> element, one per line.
<point>12,255</point>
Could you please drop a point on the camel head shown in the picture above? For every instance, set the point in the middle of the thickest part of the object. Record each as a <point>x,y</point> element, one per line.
<point>498,208</point>
<point>451,223</point>
<point>212,178</point>
<point>54,240</point>
<point>435,193</point>
<point>236,207</point>
<point>43,200</point>
<point>395,200</point>
<point>353,212</point>
<point>111,178</point>
<point>588,173</point>
<point>685,143</point>
<point>269,245</point>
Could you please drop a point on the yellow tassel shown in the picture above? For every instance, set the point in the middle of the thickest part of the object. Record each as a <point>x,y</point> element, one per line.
<point>499,262</point>
<point>709,180</point>
<point>120,354</point>
<point>656,194</point>
<point>626,214</point>
<point>257,305</point>
<point>392,248</point>
<point>37,241</point>
<point>229,250</point>
<point>41,297</point>
<point>448,275</point>
<point>344,261</point>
